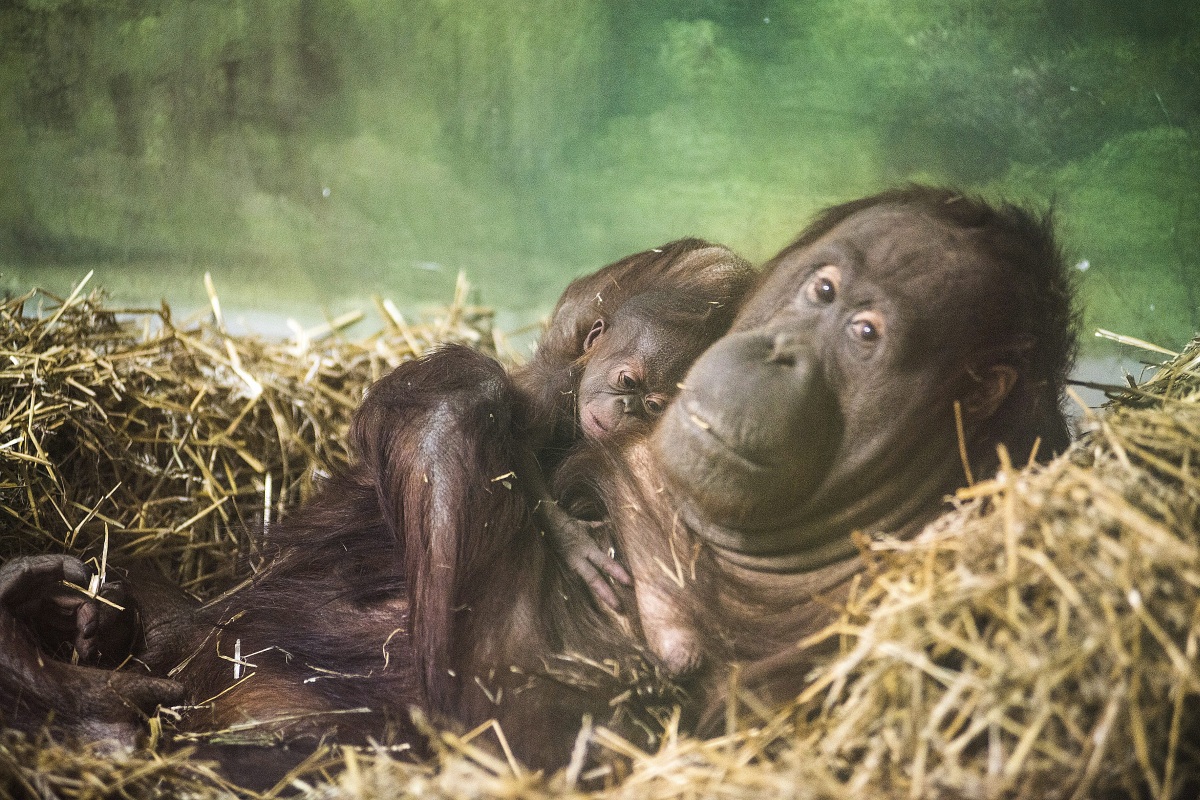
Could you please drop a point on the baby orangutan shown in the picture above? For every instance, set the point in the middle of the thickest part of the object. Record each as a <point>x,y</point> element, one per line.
<point>610,373</point>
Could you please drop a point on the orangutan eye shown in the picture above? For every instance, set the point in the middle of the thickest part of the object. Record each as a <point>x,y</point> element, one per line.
<point>626,382</point>
<point>867,327</point>
<point>824,284</point>
<point>655,405</point>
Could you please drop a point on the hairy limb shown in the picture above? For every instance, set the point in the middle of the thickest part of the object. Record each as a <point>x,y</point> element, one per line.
<point>436,437</point>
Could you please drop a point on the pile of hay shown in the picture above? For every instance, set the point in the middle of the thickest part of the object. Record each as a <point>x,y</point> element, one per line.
<point>1040,641</point>
<point>172,440</point>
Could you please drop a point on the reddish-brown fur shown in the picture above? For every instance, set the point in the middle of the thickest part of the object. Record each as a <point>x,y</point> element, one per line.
<point>424,551</point>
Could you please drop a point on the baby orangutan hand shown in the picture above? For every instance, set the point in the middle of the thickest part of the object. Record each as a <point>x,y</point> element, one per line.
<point>575,540</point>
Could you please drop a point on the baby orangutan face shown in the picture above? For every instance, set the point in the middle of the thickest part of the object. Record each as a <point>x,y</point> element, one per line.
<point>630,374</point>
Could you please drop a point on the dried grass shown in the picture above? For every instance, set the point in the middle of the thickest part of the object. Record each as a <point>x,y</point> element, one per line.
<point>172,440</point>
<point>1041,641</point>
<point>1038,642</point>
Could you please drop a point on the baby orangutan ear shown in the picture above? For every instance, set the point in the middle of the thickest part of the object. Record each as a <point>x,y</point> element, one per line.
<point>593,335</point>
<point>987,388</point>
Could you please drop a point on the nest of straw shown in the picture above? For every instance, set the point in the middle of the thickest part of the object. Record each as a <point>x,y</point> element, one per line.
<point>1039,641</point>
<point>124,430</point>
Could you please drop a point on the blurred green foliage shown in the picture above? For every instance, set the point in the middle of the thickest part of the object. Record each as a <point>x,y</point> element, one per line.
<point>311,151</point>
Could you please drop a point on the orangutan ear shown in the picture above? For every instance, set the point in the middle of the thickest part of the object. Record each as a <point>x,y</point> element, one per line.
<point>593,335</point>
<point>987,388</point>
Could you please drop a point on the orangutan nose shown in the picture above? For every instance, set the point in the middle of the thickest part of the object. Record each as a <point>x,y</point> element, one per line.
<point>784,350</point>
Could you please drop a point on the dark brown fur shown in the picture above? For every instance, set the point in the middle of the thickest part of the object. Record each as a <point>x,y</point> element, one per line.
<point>829,408</point>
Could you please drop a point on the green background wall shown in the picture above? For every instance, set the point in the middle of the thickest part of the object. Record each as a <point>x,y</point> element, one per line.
<point>311,152</point>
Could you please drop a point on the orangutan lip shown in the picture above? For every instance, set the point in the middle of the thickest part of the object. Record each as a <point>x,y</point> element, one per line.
<point>716,441</point>
<point>592,426</point>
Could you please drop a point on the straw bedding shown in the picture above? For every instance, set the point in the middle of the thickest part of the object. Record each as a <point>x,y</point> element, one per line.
<point>173,439</point>
<point>1039,641</point>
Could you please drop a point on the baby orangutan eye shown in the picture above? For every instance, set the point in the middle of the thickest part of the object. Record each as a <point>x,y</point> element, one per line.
<point>626,382</point>
<point>655,404</point>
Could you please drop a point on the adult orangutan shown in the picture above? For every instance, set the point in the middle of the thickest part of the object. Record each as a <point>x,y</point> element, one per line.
<point>830,408</point>
<point>419,579</point>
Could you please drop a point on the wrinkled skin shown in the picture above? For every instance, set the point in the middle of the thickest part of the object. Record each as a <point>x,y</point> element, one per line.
<point>830,405</point>
<point>621,390</point>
